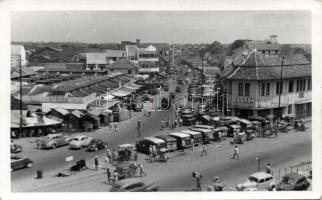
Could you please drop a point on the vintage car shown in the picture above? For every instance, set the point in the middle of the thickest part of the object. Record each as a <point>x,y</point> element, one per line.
<point>181,137</point>
<point>259,180</point>
<point>53,141</point>
<point>171,142</point>
<point>195,135</point>
<point>293,181</point>
<point>134,185</point>
<point>96,144</point>
<point>207,134</point>
<point>17,162</point>
<point>144,144</point>
<point>79,142</point>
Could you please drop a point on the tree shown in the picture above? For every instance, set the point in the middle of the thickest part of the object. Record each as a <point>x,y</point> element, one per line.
<point>236,44</point>
<point>215,48</point>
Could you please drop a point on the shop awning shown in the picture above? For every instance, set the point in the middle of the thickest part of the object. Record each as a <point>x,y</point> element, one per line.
<point>120,93</point>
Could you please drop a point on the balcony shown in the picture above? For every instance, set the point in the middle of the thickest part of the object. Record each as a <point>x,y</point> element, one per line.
<point>271,101</point>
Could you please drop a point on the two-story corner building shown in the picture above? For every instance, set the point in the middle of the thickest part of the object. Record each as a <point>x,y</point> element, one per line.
<point>18,55</point>
<point>256,84</point>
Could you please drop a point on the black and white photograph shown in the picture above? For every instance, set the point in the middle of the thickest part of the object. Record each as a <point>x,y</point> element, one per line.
<point>211,101</point>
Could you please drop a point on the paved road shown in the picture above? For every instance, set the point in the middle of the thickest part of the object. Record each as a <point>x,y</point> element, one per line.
<point>54,159</point>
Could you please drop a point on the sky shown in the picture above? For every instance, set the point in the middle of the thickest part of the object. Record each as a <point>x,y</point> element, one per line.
<point>160,26</point>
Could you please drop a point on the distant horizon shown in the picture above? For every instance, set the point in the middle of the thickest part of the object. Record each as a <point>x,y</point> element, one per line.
<point>173,27</point>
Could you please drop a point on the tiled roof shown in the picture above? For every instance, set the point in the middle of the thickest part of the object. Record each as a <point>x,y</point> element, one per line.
<point>255,66</point>
<point>96,58</point>
<point>123,64</point>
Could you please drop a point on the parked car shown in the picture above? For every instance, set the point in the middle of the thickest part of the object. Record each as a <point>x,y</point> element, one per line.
<point>144,144</point>
<point>53,141</point>
<point>96,144</point>
<point>293,181</point>
<point>134,185</point>
<point>79,142</point>
<point>259,180</point>
<point>15,148</point>
<point>17,162</point>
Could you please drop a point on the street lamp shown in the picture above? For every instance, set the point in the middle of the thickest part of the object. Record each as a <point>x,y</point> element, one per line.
<point>258,163</point>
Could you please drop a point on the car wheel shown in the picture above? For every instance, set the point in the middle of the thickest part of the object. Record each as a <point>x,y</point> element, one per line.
<point>29,165</point>
<point>54,146</point>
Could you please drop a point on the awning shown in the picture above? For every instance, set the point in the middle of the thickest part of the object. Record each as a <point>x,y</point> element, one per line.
<point>35,122</point>
<point>133,86</point>
<point>108,97</point>
<point>120,93</point>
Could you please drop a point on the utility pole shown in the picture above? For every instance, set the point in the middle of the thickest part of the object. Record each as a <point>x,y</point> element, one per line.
<point>280,91</point>
<point>20,92</point>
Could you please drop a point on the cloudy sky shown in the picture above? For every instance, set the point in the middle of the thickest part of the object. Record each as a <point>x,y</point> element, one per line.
<point>160,26</point>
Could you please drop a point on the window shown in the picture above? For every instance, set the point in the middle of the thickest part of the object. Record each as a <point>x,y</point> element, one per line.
<point>279,88</point>
<point>241,89</point>
<point>263,89</point>
<point>309,84</point>
<point>261,180</point>
<point>267,88</point>
<point>300,85</point>
<point>247,89</point>
<point>290,86</point>
<point>290,109</point>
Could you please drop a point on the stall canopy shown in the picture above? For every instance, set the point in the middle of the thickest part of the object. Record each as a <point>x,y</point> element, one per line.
<point>133,86</point>
<point>120,93</point>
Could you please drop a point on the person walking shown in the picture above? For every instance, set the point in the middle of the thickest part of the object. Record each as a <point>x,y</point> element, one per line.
<point>180,122</point>
<point>268,168</point>
<point>108,174</point>
<point>96,162</point>
<point>107,161</point>
<point>154,151</point>
<point>192,144</point>
<point>236,153</point>
<point>142,172</point>
<point>115,126</point>
<point>150,153</point>
<point>183,145</point>
<point>204,150</point>
<point>130,113</point>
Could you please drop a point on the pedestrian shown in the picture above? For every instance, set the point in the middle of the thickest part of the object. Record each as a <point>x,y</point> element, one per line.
<point>130,114</point>
<point>110,126</point>
<point>183,145</point>
<point>236,153</point>
<point>108,154</point>
<point>107,161</point>
<point>175,123</point>
<point>180,122</point>
<point>142,172</point>
<point>135,155</point>
<point>96,162</point>
<point>115,126</point>
<point>204,150</point>
<point>162,125</point>
<point>192,144</point>
<point>268,168</point>
<point>150,153</point>
<point>114,177</point>
<point>167,123</point>
<point>108,174</point>
<point>154,150</point>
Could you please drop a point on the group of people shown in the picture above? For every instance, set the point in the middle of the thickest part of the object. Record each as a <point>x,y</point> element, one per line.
<point>172,124</point>
<point>133,167</point>
<point>152,152</point>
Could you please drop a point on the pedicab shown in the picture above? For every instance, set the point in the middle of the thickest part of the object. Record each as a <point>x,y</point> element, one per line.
<point>265,123</point>
<point>282,126</point>
<point>233,130</point>
<point>123,170</point>
<point>163,155</point>
<point>125,152</point>
<point>257,128</point>
<point>271,131</point>
<point>299,125</point>
<point>239,138</point>
<point>220,133</point>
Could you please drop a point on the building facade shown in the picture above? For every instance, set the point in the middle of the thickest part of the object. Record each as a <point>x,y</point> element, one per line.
<point>263,85</point>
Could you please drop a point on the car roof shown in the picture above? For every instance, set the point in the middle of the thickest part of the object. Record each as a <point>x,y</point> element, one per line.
<point>154,140</point>
<point>166,137</point>
<point>201,130</point>
<point>181,135</point>
<point>260,175</point>
<point>203,126</point>
<point>79,136</point>
<point>191,132</point>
